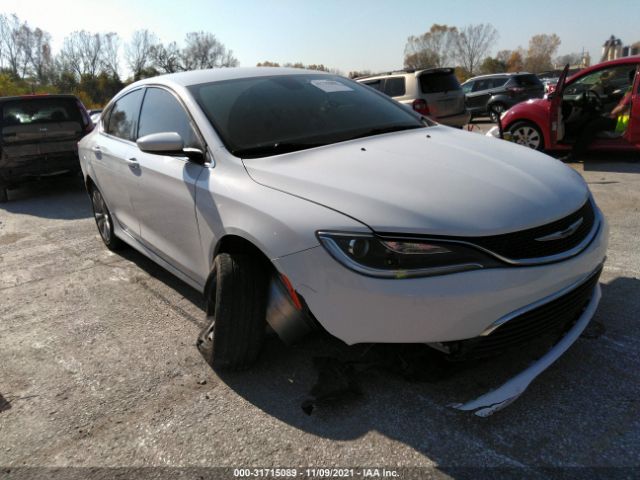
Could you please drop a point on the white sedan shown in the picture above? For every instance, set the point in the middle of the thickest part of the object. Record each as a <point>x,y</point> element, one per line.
<point>304,199</point>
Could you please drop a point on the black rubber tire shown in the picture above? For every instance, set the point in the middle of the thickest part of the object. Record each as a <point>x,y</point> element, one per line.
<point>112,242</point>
<point>4,195</point>
<point>493,114</point>
<point>236,312</point>
<point>514,128</point>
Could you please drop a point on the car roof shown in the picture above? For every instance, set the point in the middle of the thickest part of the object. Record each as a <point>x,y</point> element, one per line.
<point>37,96</point>
<point>504,74</point>
<point>197,77</point>
<point>398,73</point>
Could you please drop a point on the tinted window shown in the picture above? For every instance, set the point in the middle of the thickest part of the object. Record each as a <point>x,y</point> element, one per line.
<point>481,85</point>
<point>498,82</point>
<point>439,82</point>
<point>394,87</point>
<point>377,84</point>
<point>466,88</point>
<point>528,81</point>
<point>263,116</point>
<point>161,112</point>
<point>123,118</point>
<point>41,111</point>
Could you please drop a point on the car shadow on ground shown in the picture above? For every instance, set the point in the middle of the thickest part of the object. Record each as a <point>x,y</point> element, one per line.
<point>61,198</point>
<point>612,163</point>
<point>569,397</point>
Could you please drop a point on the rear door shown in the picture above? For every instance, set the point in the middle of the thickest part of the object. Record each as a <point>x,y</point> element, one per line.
<point>165,195</point>
<point>480,93</point>
<point>442,92</point>
<point>113,152</point>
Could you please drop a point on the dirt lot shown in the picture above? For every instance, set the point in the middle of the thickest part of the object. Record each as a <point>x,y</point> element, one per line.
<point>98,368</point>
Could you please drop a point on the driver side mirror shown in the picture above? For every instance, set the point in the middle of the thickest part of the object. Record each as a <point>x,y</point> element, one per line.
<point>169,143</point>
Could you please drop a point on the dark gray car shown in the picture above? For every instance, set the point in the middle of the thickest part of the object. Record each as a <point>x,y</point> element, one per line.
<point>493,94</point>
<point>40,135</point>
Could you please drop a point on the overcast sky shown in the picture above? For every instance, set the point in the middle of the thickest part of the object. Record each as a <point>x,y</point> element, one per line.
<point>347,34</point>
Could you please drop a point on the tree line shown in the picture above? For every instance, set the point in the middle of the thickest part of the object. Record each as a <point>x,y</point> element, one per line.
<point>88,63</point>
<point>468,49</point>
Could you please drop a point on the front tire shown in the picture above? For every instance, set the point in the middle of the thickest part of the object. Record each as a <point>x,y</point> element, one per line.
<point>4,195</point>
<point>104,221</point>
<point>495,111</point>
<point>236,312</point>
<point>527,134</point>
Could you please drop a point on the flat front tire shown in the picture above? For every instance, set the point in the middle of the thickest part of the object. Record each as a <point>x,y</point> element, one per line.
<point>236,312</point>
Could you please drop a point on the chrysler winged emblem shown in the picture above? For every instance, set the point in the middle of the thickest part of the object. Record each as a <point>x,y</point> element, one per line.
<point>567,232</point>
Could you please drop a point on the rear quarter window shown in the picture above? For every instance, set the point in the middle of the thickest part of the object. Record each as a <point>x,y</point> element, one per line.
<point>377,84</point>
<point>438,82</point>
<point>394,87</point>
<point>528,81</point>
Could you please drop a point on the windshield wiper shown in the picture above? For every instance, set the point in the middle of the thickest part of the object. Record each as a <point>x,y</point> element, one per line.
<point>273,149</point>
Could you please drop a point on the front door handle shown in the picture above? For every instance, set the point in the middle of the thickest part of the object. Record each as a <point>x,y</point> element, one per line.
<point>133,162</point>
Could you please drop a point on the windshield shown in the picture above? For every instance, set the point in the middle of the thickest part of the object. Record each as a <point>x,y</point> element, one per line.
<point>262,116</point>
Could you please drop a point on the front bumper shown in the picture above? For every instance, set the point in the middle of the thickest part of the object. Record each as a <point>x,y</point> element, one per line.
<point>359,309</point>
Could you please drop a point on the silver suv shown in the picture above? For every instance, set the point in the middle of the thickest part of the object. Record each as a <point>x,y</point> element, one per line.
<point>435,93</point>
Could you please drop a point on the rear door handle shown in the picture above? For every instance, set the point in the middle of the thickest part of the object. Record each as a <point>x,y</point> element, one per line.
<point>95,148</point>
<point>133,162</point>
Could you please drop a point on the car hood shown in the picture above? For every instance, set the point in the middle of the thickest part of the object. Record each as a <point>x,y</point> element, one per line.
<point>436,180</point>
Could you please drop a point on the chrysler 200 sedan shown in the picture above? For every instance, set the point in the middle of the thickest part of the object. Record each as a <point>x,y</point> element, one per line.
<point>303,199</point>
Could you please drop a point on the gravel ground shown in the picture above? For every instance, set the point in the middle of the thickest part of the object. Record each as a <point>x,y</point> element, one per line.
<point>98,368</point>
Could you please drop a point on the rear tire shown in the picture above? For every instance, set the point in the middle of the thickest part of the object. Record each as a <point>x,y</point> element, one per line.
<point>527,134</point>
<point>236,312</point>
<point>4,195</point>
<point>495,111</point>
<point>104,221</point>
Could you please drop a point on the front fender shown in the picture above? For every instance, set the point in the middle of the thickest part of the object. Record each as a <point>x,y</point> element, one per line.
<point>536,111</point>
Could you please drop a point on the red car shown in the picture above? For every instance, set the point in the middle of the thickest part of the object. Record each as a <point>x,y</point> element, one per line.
<point>554,122</point>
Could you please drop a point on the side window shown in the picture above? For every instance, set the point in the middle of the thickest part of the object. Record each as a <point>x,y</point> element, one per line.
<point>466,88</point>
<point>123,118</point>
<point>498,82</point>
<point>377,84</point>
<point>161,112</point>
<point>394,87</point>
<point>481,85</point>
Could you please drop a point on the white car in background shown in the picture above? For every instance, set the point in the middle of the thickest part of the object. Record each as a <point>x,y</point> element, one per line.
<point>294,197</point>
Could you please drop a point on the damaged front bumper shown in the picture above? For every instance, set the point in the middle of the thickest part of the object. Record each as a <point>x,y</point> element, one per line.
<point>507,393</point>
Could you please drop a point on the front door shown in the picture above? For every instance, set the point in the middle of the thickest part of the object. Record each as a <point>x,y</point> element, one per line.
<point>165,196</point>
<point>632,135</point>
<point>557,122</point>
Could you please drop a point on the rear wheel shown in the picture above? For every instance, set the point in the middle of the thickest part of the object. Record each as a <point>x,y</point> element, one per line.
<point>495,111</point>
<point>236,312</point>
<point>527,134</point>
<point>104,221</point>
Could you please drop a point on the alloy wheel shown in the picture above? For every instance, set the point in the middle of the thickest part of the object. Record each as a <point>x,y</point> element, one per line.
<point>101,213</point>
<point>527,136</point>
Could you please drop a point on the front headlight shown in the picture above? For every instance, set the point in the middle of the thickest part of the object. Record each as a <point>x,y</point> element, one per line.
<point>401,258</point>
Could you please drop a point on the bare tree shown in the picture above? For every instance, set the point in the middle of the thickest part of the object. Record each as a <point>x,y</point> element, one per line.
<point>542,48</point>
<point>138,51</point>
<point>203,50</point>
<point>10,40</point>
<point>110,48</point>
<point>569,58</point>
<point>473,43</point>
<point>41,60</point>
<point>166,59</point>
<point>435,48</point>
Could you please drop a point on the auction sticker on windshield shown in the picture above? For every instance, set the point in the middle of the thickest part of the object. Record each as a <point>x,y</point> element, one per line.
<point>330,86</point>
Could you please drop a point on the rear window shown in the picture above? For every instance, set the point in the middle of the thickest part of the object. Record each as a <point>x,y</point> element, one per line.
<point>40,111</point>
<point>528,81</point>
<point>434,82</point>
